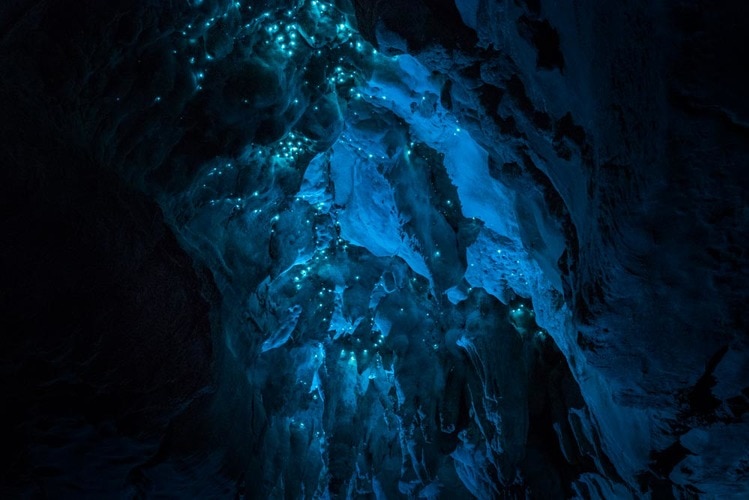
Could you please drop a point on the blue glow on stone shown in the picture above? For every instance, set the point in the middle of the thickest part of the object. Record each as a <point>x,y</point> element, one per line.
<point>330,215</point>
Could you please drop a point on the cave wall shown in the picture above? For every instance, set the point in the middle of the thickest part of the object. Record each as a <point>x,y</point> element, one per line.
<point>629,115</point>
<point>482,247</point>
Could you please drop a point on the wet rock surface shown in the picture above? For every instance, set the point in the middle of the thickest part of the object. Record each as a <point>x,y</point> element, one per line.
<point>380,249</point>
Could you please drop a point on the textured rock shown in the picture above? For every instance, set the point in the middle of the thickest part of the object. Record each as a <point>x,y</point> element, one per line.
<point>627,117</point>
<point>385,249</point>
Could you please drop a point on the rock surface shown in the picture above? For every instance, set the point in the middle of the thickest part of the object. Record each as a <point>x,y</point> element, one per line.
<point>374,249</point>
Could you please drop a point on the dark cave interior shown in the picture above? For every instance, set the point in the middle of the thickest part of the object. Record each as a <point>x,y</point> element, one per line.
<point>375,249</point>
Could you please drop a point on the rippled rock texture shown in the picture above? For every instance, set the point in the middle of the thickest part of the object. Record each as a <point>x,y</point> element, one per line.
<point>423,249</point>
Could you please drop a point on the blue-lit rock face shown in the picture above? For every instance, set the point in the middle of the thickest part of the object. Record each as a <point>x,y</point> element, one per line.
<point>424,249</point>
